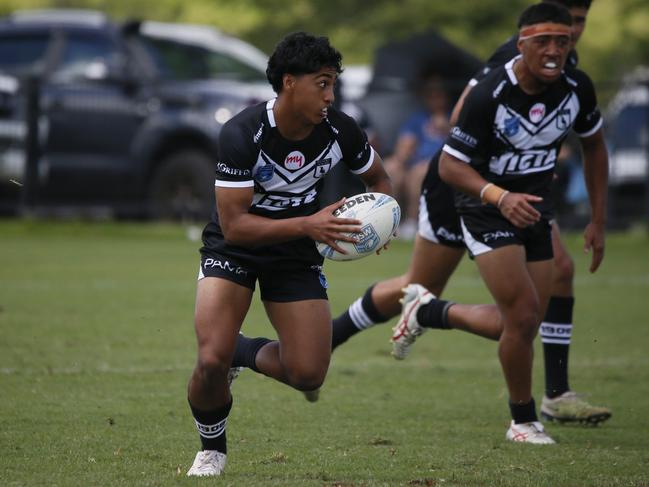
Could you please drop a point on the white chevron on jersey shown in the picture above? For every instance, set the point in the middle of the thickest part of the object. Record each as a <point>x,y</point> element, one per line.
<point>551,128</point>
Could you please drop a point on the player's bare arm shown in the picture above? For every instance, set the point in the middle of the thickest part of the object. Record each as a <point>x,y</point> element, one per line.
<point>243,228</point>
<point>376,179</point>
<point>596,176</point>
<point>455,114</point>
<point>516,207</point>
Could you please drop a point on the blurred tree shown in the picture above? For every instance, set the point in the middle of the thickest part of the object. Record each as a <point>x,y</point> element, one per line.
<point>616,40</point>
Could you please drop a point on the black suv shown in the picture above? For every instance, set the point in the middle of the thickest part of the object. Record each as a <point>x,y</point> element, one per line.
<point>128,113</point>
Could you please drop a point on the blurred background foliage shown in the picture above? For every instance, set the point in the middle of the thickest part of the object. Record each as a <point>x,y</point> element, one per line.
<point>616,39</point>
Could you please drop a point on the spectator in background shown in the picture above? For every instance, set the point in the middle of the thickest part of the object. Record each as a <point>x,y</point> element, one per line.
<point>420,137</point>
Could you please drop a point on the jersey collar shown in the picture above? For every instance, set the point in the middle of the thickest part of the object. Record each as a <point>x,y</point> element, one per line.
<point>269,112</point>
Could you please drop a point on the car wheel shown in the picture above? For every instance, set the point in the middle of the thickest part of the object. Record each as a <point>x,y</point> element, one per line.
<point>182,188</point>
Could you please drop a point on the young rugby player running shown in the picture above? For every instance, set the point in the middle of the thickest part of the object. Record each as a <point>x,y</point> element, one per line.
<point>500,156</point>
<point>439,247</point>
<point>272,158</point>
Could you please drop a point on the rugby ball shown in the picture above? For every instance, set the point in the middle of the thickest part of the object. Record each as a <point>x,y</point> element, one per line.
<point>379,215</point>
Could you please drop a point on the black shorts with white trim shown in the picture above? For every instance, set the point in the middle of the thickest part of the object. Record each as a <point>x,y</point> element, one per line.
<point>485,229</point>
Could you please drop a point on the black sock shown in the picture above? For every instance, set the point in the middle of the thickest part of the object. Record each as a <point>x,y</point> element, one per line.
<point>211,427</point>
<point>523,413</point>
<point>246,351</point>
<point>434,314</point>
<point>360,315</point>
<point>555,332</point>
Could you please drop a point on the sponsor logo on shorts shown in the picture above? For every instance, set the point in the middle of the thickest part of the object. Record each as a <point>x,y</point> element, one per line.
<point>295,160</point>
<point>448,235</point>
<point>225,265</point>
<point>498,234</point>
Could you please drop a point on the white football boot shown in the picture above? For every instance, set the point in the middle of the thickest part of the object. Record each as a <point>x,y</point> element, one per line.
<point>528,433</point>
<point>408,328</point>
<point>208,463</point>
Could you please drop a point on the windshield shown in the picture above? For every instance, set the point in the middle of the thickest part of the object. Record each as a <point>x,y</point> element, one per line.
<point>175,60</point>
<point>21,53</point>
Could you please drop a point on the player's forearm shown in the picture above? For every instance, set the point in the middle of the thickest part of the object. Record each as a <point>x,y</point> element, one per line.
<point>249,230</point>
<point>460,175</point>
<point>596,178</point>
<point>376,179</point>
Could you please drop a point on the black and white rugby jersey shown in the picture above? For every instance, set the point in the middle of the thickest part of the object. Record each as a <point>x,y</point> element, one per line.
<point>286,175</point>
<point>513,139</point>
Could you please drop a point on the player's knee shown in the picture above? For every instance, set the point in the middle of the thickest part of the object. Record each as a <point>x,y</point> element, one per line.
<point>525,321</point>
<point>564,268</point>
<point>306,380</point>
<point>212,368</point>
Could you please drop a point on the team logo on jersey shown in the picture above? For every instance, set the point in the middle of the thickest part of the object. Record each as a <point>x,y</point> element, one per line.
<point>563,119</point>
<point>537,112</point>
<point>264,173</point>
<point>322,167</point>
<point>295,160</point>
<point>512,126</point>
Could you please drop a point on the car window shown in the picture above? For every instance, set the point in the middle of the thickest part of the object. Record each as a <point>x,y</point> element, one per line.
<point>20,53</point>
<point>180,61</point>
<point>86,56</point>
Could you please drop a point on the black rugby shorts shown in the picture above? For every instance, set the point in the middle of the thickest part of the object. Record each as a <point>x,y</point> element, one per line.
<point>485,229</point>
<point>275,283</point>
<point>438,220</point>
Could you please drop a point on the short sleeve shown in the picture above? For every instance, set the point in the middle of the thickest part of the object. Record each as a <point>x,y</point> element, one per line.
<point>473,131</point>
<point>589,119</point>
<point>500,57</point>
<point>357,152</point>
<point>236,157</point>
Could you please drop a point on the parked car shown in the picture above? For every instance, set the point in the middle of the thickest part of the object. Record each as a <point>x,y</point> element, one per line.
<point>628,139</point>
<point>129,112</point>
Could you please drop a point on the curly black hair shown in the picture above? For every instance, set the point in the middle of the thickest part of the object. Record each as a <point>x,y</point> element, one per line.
<point>301,53</point>
<point>545,12</point>
<point>572,3</point>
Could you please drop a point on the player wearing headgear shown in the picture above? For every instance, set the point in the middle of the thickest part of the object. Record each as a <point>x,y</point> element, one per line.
<point>271,163</point>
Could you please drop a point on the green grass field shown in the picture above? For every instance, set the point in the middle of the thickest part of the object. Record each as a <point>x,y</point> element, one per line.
<point>97,343</point>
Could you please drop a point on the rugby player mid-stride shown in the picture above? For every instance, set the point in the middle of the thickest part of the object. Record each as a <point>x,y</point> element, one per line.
<point>500,156</point>
<point>272,158</point>
<point>439,247</point>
